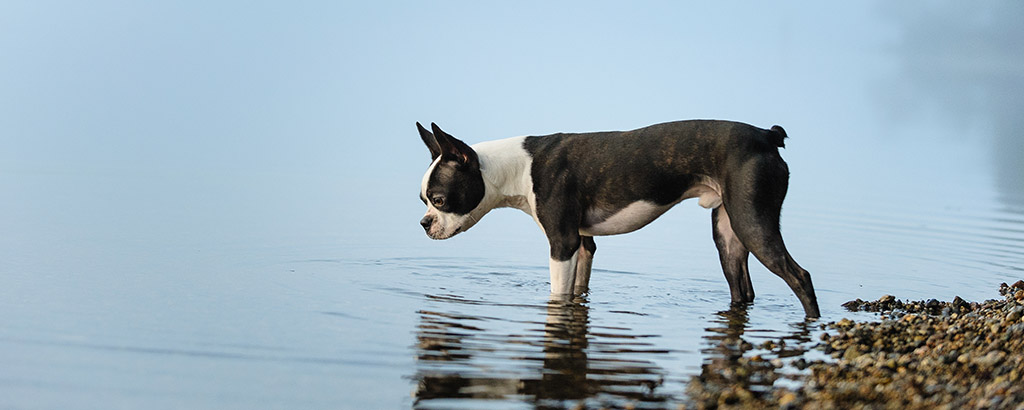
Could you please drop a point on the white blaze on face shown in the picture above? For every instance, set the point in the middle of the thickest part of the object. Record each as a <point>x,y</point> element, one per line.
<point>445,224</point>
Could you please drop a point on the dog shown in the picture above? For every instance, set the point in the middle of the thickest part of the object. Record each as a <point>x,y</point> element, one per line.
<point>580,185</point>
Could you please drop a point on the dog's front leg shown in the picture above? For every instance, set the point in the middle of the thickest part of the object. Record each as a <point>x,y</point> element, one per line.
<point>564,257</point>
<point>563,275</point>
<point>560,221</point>
<point>584,263</point>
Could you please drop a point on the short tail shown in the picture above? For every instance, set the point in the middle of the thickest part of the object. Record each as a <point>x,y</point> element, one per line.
<point>777,136</point>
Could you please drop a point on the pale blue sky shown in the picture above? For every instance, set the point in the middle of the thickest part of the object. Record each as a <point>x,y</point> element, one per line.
<point>320,98</point>
<point>302,86</point>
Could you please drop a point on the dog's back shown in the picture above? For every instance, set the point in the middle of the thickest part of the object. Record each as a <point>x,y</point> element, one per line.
<point>656,163</point>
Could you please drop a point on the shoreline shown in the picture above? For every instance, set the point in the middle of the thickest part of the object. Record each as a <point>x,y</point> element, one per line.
<point>919,355</point>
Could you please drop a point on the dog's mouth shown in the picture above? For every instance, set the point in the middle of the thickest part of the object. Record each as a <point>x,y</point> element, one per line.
<point>441,237</point>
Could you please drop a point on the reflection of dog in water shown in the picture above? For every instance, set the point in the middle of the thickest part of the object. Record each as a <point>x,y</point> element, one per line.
<point>458,358</point>
<point>733,373</point>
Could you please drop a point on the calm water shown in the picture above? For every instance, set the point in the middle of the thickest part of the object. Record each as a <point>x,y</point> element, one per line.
<point>227,282</point>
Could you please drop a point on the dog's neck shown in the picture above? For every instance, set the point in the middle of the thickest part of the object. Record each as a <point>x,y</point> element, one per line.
<point>505,166</point>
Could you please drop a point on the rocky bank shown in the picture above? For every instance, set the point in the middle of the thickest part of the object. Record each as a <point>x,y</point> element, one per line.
<point>920,355</point>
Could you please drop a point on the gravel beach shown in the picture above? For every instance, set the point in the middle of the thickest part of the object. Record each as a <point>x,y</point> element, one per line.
<point>920,355</point>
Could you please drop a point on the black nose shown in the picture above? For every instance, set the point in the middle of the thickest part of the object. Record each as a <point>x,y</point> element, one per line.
<point>426,222</point>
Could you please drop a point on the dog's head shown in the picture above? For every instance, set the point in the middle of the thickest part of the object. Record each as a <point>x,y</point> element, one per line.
<point>453,186</point>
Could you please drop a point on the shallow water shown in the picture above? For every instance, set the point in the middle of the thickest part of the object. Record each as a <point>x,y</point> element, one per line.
<point>231,260</point>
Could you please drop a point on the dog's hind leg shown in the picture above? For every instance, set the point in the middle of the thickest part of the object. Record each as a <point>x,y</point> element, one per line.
<point>754,202</point>
<point>733,255</point>
<point>584,262</point>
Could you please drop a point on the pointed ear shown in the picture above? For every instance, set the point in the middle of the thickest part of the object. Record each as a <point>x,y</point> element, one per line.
<point>428,139</point>
<point>452,148</point>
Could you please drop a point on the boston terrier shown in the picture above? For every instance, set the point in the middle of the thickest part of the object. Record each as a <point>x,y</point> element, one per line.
<point>577,186</point>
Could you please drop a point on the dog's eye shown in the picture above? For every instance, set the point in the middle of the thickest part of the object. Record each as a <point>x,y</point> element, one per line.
<point>438,201</point>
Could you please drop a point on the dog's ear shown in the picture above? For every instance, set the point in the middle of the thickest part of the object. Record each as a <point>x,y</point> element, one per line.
<point>431,142</point>
<point>454,149</point>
